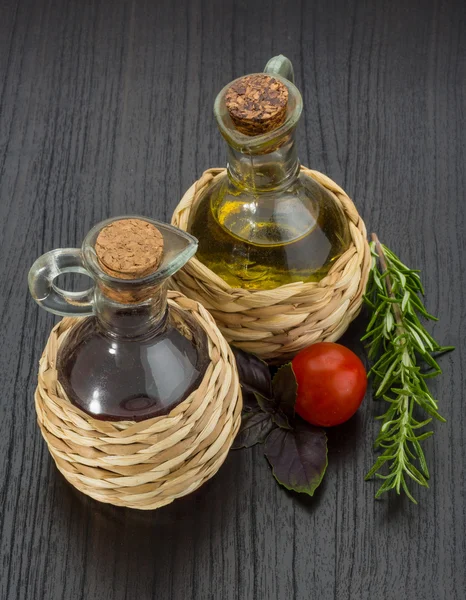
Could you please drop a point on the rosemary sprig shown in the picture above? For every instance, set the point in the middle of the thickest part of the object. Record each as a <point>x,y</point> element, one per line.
<point>397,342</point>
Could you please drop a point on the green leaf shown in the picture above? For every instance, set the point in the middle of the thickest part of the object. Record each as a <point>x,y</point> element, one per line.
<point>432,362</point>
<point>418,340</point>
<point>377,281</point>
<point>417,425</point>
<point>405,301</point>
<point>379,463</point>
<point>298,457</point>
<point>421,457</point>
<point>424,335</point>
<point>423,436</point>
<point>386,378</point>
<point>388,484</point>
<point>389,321</point>
<point>285,388</point>
<point>254,429</point>
<point>407,492</point>
<point>416,475</point>
<point>402,278</point>
<point>443,349</point>
<point>377,311</point>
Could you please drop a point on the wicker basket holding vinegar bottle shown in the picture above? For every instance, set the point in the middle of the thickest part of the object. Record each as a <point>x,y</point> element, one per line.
<point>135,438</point>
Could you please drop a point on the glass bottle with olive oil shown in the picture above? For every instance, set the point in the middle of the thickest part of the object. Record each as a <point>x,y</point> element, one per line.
<point>264,223</point>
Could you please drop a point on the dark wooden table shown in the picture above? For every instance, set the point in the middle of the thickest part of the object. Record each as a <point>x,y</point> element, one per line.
<point>105,109</point>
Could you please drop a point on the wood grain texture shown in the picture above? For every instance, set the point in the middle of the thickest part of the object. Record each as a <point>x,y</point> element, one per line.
<point>106,108</point>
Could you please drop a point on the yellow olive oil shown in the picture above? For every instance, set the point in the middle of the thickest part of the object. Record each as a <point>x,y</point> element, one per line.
<point>264,240</point>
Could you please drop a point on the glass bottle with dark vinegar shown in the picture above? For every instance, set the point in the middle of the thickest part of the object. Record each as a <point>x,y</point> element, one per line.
<point>265,223</point>
<point>135,357</point>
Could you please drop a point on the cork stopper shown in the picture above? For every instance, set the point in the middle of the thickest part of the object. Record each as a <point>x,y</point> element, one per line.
<point>257,103</point>
<point>129,249</point>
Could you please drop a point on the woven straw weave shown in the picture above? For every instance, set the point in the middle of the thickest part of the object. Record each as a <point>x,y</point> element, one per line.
<point>275,324</point>
<point>148,464</point>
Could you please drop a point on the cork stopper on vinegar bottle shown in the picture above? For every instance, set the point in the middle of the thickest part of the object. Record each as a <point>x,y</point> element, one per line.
<point>129,249</point>
<point>257,103</point>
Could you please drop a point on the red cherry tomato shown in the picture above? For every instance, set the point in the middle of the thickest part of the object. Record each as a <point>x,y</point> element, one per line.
<point>332,382</point>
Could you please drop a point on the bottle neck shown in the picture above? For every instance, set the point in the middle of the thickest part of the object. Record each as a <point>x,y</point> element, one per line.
<point>261,173</point>
<point>132,320</point>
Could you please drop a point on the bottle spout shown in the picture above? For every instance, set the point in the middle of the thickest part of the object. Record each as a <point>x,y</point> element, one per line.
<point>179,247</point>
<point>280,65</point>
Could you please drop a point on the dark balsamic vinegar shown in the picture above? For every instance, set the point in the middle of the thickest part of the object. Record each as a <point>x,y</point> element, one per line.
<point>123,378</point>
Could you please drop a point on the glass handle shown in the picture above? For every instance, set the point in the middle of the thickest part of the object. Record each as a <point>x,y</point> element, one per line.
<point>48,295</point>
<point>280,65</point>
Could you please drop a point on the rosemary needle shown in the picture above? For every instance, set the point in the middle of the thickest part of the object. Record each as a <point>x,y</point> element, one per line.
<point>397,343</point>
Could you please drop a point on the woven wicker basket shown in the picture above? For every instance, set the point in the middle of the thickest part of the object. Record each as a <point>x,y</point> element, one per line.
<point>276,324</point>
<point>148,464</point>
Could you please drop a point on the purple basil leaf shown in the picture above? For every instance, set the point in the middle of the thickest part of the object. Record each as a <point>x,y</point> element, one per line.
<point>270,407</point>
<point>254,374</point>
<point>298,457</point>
<point>250,402</point>
<point>254,429</point>
<point>285,389</point>
<point>266,404</point>
<point>281,419</point>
